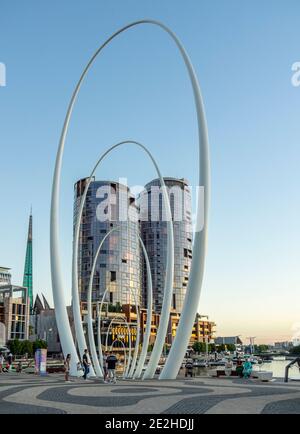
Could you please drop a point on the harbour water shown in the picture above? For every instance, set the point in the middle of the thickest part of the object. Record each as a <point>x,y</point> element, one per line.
<point>277,366</point>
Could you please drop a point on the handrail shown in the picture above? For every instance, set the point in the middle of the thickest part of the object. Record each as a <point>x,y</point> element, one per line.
<point>287,368</point>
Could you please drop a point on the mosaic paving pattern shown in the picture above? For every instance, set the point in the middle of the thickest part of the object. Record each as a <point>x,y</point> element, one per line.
<point>29,394</point>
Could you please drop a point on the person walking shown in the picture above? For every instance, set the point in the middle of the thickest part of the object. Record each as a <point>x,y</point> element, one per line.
<point>111,367</point>
<point>189,368</point>
<point>86,363</point>
<point>9,361</point>
<point>20,367</point>
<point>105,371</point>
<point>1,362</point>
<point>67,368</point>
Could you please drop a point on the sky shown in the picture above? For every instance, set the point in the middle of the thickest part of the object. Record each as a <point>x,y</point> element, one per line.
<point>138,88</point>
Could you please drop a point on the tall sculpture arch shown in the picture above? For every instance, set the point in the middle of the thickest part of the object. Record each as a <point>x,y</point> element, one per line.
<point>168,287</point>
<point>129,340</point>
<point>92,346</point>
<point>146,339</point>
<point>98,366</point>
<point>125,359</point>
<point>200,239</point>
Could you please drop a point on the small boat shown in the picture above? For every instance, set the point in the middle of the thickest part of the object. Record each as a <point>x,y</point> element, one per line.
<point>201,363</point>
<point>221,362</point>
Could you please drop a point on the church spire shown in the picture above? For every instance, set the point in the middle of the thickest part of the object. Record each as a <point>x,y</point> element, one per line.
<point>27,279</point>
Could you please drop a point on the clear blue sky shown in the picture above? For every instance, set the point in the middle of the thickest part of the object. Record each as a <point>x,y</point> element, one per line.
<point>242,52</point>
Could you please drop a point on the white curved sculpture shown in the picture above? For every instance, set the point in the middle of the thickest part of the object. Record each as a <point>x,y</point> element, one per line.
<point>95,360</point>
<point>200,239</point>
<point>124,348</point>
<point>129,339</point>
<point>146,339</point>
<point>98,366</point>
<point>99,330</point>
<point>168,287</point>
<point>76,309</point>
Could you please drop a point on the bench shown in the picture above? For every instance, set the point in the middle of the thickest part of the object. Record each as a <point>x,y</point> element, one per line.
<point>259,375</point>
<point>262,375</point>
<point>221,373</point>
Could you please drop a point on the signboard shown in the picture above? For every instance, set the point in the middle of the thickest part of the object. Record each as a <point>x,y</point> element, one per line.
<point>41,361</point>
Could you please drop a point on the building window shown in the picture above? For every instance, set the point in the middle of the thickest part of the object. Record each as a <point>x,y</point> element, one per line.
<point>113,276</point>
<point>111,297</point>
<point>174,301</point>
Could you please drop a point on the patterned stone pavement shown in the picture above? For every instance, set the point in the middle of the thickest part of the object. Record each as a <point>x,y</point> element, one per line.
<point>26,393</point>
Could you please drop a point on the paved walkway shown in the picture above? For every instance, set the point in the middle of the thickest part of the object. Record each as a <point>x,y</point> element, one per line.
<point>26,393</point>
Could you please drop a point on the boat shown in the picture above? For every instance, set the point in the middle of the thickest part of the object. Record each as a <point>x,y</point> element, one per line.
<point>201,363</point>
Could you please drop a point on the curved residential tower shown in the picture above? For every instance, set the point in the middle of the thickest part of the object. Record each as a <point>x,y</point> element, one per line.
<point>154,236</point>
<point>118,267</point>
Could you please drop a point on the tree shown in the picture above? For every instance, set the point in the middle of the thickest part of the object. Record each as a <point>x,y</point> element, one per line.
<point>26,348</point>
<point>118,307</point>
<point>199,347</point>
<point>261,348</point>
<point>15,346</point>
<point>295,351</point>
<point>39,344</point>
<point>211,348</point>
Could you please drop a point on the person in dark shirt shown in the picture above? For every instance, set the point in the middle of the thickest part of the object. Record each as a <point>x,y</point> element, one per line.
<point>189,368</point>
<point>111,367</point>
<point>9,361</point>
<point>86,364</point>
<point>105,371</point>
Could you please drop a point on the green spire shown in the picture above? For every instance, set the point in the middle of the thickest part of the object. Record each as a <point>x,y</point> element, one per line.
<point>27,279</point>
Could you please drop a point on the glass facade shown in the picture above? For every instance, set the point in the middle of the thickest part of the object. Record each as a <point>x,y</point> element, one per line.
<point>118,267</point>
<point>154,234</point>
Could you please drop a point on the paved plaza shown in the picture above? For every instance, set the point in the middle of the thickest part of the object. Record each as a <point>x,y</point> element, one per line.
<point>26,393</point>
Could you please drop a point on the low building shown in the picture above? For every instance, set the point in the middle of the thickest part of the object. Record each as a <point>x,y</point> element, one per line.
<point>14,312</point>
<point>296,342</point>
<point>5,276</point>
<point>228,340</point>
<point>283,346</point>
<point>44,327</point>
<point>203,330</point>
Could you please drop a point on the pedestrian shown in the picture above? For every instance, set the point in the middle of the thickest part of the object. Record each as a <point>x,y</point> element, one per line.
<point>20,367</point>
<point>86,364</point>
<point>9,361</point>
<point>105,371</point>
<point>67,367</point>
<point>239,367</point>
<point>247,369</point>
<point>1,362</point>
<point>189,368</point>
<point>228,368</point>
<point>111,367</point>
